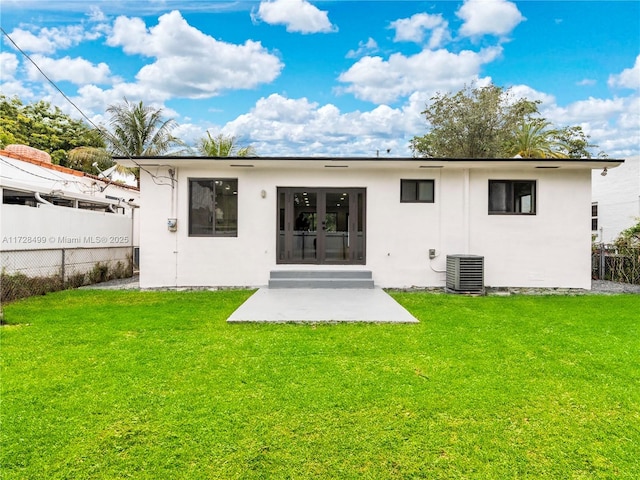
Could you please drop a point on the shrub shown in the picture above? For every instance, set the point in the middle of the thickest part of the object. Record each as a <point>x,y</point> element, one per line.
<point>18,285</point>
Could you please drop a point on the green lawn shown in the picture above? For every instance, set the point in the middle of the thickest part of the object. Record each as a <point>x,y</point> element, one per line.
<point>104,384</point>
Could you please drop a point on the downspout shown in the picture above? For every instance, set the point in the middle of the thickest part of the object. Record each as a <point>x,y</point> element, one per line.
<point>438,251</point>
<point>133,243</point>
<point>40,199</point>
<point>174,193</point>
<point>466,207</point>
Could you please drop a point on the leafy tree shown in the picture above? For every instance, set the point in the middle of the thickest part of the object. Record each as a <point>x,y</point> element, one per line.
<point>84,158</point>
<point>42,126</point>
<point>472,123</point>
<point>576,142</point>
<point>488,122</point>
<point>630,236</point>
<point>223,146</point>
<point>139,130</point>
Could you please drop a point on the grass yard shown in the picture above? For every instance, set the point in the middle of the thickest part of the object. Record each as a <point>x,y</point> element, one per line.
<point>155,385</point>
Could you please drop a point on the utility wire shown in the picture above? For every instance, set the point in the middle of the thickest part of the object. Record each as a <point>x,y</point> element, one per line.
<point>53,84</point>
<point>99,129</point>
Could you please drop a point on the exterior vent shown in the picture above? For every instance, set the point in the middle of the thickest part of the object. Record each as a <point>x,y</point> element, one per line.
<point>465,274</point>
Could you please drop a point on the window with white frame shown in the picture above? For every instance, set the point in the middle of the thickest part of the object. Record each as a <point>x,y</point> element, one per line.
<point>594,217</point>
<point>512,197</point>
<point>213,207</point>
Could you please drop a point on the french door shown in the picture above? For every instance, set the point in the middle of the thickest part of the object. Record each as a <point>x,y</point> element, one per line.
<point>321,225</point>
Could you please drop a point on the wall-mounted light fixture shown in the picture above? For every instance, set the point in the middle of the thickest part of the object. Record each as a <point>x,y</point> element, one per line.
<point>604,172</point>
<point>263,193</point>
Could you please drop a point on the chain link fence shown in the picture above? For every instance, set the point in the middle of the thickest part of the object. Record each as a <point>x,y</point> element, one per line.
<point>617,263</point>
<point>35,272</point>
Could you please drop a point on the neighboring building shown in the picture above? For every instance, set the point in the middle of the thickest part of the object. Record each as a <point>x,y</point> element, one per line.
<point>615,200</point>
<point>232,221</point>
<point>54,218</point>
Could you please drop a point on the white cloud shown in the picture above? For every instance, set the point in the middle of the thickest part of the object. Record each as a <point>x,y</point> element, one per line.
<point>282,126</point>
<point>189,133</point>
<point>364,48</point>
<point>612,123</point>
<point>592,110</point>
<point>525,91</point>
<point>48,40</point>
<point>96,14</point>
<point>76,70</point>
<point>586,82</point>
<point>383,81</point>
<point>488,17</point>
<point>296,15</point>
<point>8,66</point>
<point>132,35</point>
<point>628,78</point>
<point>188,62</point>
<point>17,89</point>
<point>29,42</point>
<point>95,99</point>
<point>414,29</point>
<point>278,125</point>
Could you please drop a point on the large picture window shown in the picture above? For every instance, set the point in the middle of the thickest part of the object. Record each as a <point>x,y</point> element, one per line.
<point>417,191</point>
<point>213,207</point>
<point>512,197</point>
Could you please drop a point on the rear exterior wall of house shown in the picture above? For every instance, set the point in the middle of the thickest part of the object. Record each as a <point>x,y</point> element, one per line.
<point>547,249</point>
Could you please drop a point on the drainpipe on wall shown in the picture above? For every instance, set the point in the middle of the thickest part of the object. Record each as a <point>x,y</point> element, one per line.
<point>465,216</point>
<point>173,173</point>
<point>40,199</point>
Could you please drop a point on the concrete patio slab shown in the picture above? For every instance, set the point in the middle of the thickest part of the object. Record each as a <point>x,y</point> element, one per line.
<point>321,305</point>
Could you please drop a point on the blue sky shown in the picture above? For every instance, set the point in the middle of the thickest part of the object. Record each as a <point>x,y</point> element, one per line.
<point>298,77</point>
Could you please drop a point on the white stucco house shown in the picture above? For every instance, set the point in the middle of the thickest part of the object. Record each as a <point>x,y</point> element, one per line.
<point>615,200</point>
<point>233,221</point>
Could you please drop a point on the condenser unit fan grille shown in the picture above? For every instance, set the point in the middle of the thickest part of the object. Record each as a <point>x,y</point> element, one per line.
<point>465,274</point>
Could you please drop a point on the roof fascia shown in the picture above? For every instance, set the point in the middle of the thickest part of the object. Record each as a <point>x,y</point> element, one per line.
<point>368,162</point>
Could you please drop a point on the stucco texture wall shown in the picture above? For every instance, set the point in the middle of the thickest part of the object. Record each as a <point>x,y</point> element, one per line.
<point>549,249</point>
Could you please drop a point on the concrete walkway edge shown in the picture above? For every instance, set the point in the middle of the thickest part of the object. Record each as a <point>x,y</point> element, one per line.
<point>321,305</point>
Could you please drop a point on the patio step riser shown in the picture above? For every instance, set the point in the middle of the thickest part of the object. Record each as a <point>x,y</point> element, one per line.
<point>320,279</point>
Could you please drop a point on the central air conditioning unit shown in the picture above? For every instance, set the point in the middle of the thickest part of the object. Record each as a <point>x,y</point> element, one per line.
<point>465,274</point>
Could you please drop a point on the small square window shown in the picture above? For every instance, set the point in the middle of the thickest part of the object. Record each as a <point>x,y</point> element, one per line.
<point>512,197</point>
<point>417,191</point>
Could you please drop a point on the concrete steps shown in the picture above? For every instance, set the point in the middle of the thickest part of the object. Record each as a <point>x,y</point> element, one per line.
<point>320,279</point>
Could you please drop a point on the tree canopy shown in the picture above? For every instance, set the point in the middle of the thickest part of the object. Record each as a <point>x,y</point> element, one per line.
<point>630,236</point>
<point>223,146</point>
<point>489,122</point>
<point>535,139</point>
<point>139,130</point>
<point>47,128</point>
<point>136,130</point>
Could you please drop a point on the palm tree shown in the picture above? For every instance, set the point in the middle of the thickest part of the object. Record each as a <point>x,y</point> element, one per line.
<point>84,158</point>
<point>139,130</point>
<point>536,140</point>
<point>223,146</point>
